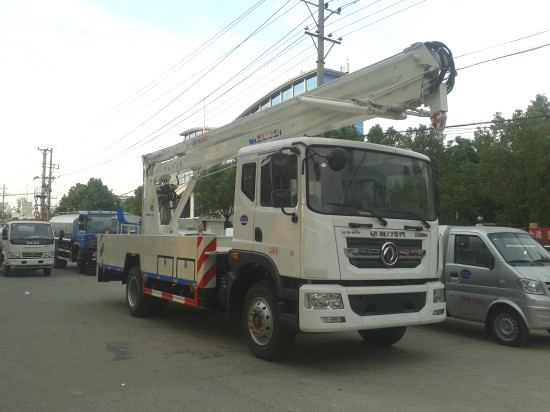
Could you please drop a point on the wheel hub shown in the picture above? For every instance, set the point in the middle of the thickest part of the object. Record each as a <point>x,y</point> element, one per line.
<point>506,327</point>
<point>260,321</point>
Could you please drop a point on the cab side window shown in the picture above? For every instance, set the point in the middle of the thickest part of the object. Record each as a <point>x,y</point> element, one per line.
<point>248,180</point>
<point>471,250</point>
<point>266,186</point>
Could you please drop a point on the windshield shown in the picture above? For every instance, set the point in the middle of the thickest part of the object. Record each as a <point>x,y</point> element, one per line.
<point>100,223</point>
<point>37,233</point>
<point>520,248</point>
<point>370,184</point>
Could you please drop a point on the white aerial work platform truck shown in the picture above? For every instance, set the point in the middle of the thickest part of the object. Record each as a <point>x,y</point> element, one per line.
<point>329,235</point>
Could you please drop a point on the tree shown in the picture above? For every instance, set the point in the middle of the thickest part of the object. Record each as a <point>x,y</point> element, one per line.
<point>134,203</point>
<point>92,196</point>
<point>346,133</point>
<point>215,192</point>
<point>516,165</point>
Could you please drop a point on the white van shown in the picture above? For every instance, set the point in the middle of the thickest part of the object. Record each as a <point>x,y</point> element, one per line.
<point>499,276</point>
<point>27,245</point>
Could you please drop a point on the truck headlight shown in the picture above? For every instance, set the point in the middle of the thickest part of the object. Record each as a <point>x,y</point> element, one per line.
<point>323,301</point>
<point>48,254</point>
<point>439,296</point>
<point>533,287</point>
<point>14,255</point>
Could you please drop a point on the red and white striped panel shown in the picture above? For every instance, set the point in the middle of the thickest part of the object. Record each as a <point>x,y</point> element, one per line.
<point>206,264</point>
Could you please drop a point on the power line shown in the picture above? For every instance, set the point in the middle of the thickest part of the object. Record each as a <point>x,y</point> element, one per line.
<point>507,55</point>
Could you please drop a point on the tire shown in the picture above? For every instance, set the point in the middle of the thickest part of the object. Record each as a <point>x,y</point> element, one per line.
<point>6,270</point>
<point>81,265</point>
<point>47,272</point>
<point>383,337</point>
<point>264,334</point>
<point>507,327</point>
<point>59,263</point>
<point>139,305</point>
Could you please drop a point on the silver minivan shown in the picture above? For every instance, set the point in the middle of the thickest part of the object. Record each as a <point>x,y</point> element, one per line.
<point>499,276</point>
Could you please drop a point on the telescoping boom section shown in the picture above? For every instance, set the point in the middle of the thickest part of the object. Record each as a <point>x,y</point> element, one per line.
<point>421,75</point>
<point>329,235</point>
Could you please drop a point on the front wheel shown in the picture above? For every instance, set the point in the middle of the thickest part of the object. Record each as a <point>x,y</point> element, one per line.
<point>265,336</point>
<point>508,328</point>
<point>383,337</point>
<point>140,305</point>
<point>47,272</point>
<point>6,270</point>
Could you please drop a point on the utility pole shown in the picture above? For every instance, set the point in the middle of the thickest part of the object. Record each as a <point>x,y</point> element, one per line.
<point>3,203</point>
<point>42,209</point>
<point>320,36</point>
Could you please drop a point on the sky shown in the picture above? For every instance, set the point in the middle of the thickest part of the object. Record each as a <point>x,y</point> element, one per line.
<point>103,82</point>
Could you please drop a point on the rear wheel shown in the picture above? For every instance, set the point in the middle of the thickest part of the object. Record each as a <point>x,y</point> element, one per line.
<point>507,327</point>
<point>383,337</point>
<point>140,305</point>
<point>81,265</point>
<point>265,336</point>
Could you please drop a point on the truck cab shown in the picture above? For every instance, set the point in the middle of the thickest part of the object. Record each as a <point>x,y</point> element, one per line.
<point>27,245</point>
<point>499,276</point>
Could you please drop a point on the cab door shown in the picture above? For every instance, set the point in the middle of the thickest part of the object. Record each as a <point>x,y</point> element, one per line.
<point>473,278</point>
<point>276,229</point>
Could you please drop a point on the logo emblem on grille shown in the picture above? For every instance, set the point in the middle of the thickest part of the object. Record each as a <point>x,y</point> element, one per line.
<point>389,254</point>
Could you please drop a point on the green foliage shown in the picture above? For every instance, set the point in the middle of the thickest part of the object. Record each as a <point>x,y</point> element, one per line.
<point>215,192</point>
<point>92,196</point>
<point>346,133</point>
<point>502,174</point>
<point>134,203</point>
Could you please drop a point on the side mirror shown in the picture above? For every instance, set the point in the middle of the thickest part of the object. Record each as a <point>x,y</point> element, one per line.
<point>61,233</point>
<point>437,190</point>
<point>280,176</point>
<point>81,218</point>
<point>337,159</point>
<point>5,234</point>
<point>281,198</point>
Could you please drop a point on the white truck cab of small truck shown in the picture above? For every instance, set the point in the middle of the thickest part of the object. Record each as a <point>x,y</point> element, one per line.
<point>329,235</point>
<point>27,245</point>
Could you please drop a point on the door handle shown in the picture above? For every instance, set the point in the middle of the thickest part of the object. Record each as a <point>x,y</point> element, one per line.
<point>257,234</point>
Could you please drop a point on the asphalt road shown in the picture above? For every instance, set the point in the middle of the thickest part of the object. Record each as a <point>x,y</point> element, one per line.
<point>68,343</point>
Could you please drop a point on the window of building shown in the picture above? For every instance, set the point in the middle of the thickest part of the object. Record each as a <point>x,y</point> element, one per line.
<point>248,180</point>
<point>298,88</point>
<point>311,83</point>
<point>265,105</point>
<point>471,250</point>
<point>287,94</point>
<point>276,100</point>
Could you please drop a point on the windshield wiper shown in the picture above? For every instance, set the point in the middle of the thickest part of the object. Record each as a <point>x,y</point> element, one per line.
<point>413,215</point>
<point>383,221</point>
<point>518,261</point>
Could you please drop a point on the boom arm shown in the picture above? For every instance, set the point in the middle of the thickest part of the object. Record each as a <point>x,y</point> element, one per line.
<point>391,89</point>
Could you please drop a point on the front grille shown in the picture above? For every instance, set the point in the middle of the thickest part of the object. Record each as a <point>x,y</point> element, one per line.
<point>365,253</point>
<point>388,304</point>
<point>27,255</point>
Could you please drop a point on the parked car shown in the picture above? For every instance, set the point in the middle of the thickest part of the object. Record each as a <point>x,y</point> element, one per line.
<point>499,276</point>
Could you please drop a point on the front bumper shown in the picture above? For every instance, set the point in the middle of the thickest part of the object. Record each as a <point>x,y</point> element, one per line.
<point>406,312</point>
<point>30,264</point>
<point>537,312</point>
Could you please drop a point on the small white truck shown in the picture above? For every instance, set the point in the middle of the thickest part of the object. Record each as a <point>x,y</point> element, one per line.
<point>27,245</point>
<point>499,276</point>
<point>329,235</point>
